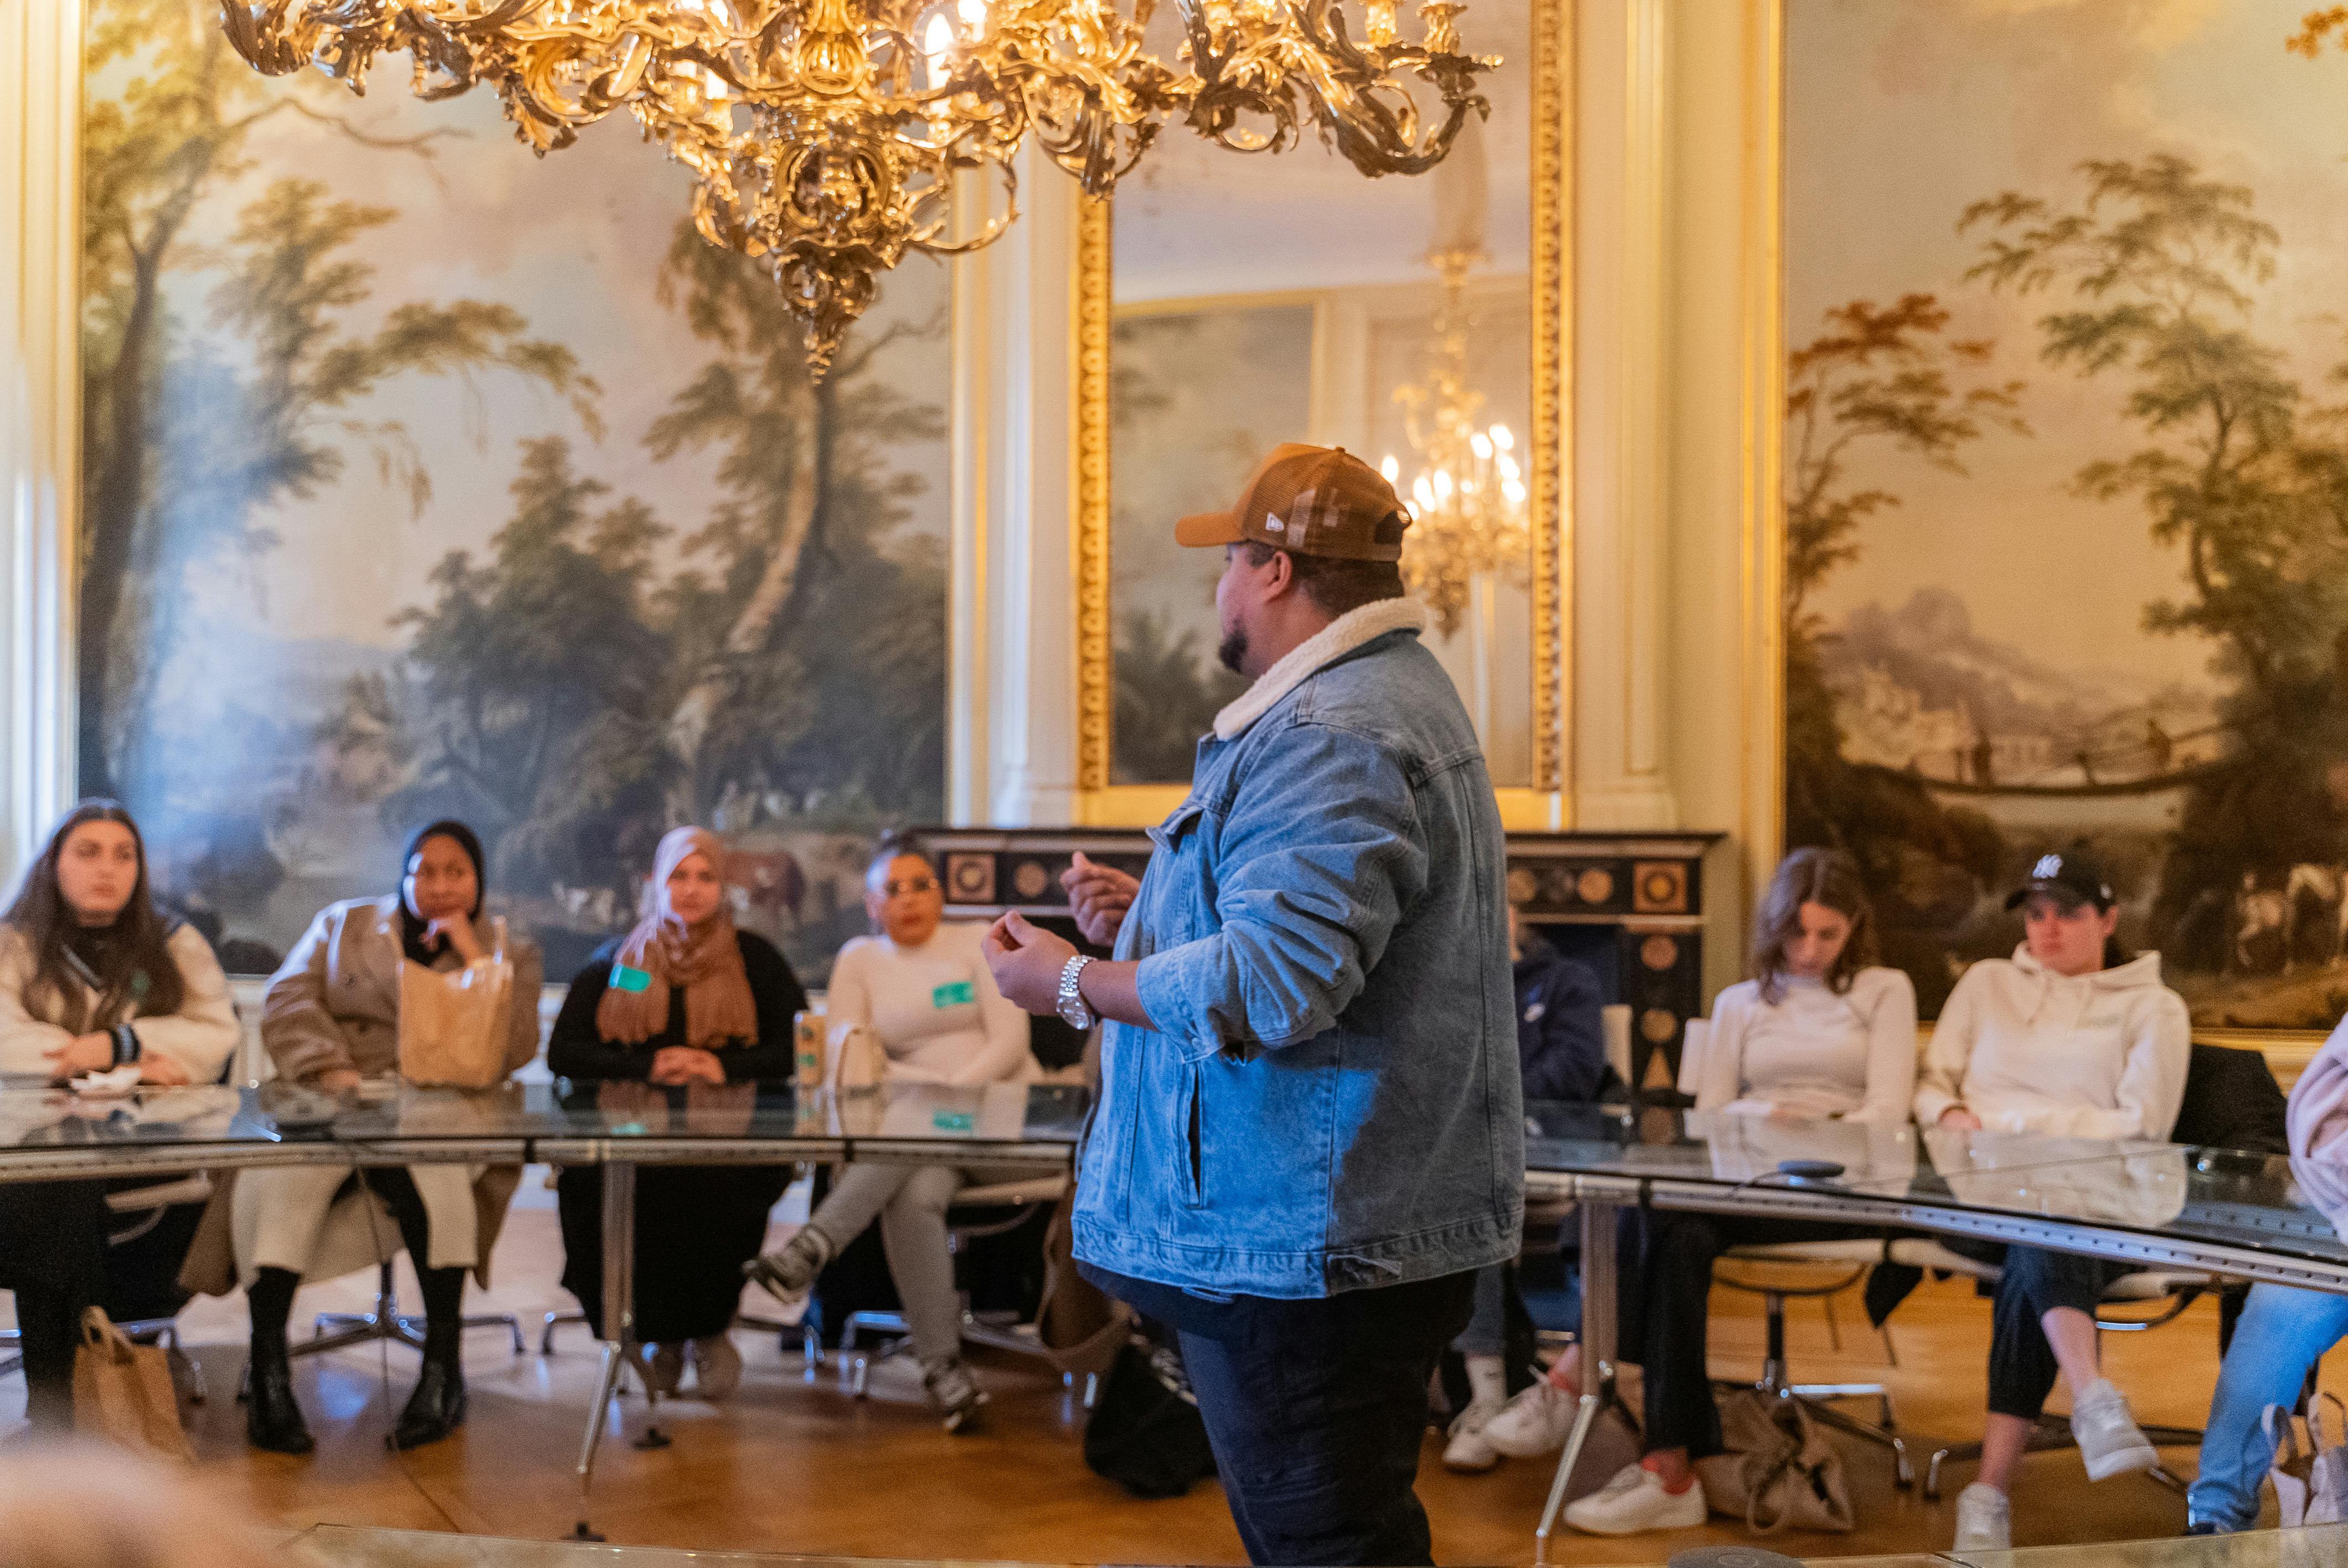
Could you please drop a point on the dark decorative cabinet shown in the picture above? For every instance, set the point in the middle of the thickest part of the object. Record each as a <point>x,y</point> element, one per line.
<point>1629,906</point>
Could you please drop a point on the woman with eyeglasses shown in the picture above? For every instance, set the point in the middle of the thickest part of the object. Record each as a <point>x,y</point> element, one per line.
<point>921,987</point>
<point>685,998</point>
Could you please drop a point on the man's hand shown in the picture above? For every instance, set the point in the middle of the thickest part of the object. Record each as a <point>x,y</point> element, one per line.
<point>1099,895</point>
<point>1027,961</point>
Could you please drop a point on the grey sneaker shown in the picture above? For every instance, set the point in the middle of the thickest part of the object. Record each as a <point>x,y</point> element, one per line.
<point>662,1367</point>
<point>1985,1520</point>
<point>787,1276</point>
<point>2108,1437</point>
<point>951,1389</point>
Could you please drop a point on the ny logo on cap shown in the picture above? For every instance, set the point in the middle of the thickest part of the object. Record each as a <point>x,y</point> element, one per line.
<point>2049,866</point>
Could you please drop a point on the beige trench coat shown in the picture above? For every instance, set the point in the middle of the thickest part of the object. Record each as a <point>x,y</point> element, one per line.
<point>334,1003</point>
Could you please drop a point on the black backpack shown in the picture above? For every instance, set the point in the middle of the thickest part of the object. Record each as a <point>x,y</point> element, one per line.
<point>1145,1433</point>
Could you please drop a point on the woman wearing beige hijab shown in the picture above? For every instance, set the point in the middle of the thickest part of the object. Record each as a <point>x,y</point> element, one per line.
<point>685,998</point>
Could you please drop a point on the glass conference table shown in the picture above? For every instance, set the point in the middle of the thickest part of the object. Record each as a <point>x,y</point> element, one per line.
<point>2240,1215</point>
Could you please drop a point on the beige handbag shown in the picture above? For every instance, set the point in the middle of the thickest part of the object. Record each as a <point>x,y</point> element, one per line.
<point>122,1392</point>
<point>453,1024</point>
<point>1779,1469</point>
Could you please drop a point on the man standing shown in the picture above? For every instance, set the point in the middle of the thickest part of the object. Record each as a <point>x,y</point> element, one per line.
<point>1310,1132</point>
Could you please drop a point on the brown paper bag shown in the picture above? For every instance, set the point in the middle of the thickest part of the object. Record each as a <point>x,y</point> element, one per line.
<point>1780,1469</point>
<point>123,1393</point>
<point>1079,1326</point>
<point>452,1024</point>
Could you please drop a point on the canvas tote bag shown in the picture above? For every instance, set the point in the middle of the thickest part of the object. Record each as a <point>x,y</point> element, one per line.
<point>1779,1469</point>
<point>123,1393</point>
<point>452,1024</point>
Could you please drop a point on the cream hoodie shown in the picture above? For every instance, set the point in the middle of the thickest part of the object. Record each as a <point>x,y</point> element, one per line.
<point>2029,1050</point>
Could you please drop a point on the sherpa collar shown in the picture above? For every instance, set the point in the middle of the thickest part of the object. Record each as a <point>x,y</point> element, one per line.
<point>1333,641</point>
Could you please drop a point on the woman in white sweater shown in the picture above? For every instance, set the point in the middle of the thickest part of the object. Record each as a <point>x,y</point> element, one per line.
<point>91,978</point>
<point>921,987</point>
<point>1820,1033</point>
<point>2065,1038</point>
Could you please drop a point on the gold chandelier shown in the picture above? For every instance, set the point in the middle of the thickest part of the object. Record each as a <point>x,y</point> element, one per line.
<point>825,135</point>
<point>1469,501</point>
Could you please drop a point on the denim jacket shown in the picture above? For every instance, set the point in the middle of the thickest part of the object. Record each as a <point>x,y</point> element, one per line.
<point>1330,1100</point>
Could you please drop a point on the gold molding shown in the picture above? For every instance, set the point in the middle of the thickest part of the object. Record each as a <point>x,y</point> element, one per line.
<point>1553,399</point>
<point>1546,803</point>
<point>1761,270</point>
<point>1094,692</point>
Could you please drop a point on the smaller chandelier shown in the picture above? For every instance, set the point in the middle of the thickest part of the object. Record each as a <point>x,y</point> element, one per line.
<point>1468,512</point>
<point>825,135</point>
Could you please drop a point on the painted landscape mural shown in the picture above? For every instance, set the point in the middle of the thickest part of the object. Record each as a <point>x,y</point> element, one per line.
<point>2067,476</point>
<point>424,478</point>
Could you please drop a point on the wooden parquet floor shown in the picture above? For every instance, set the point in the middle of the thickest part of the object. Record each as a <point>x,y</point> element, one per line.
<point>795,1466</point>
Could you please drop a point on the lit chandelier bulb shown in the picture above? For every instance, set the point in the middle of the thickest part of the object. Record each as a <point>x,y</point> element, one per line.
<point>1442,485</point>
<point>1502,439</point>
<point>1390,468</point>
<point>1514,490</point>
<point>1482,445</point>
<point>938,42</point>
<point>973,14</point>
<point>1509,469</point>
<point>1422,493</point>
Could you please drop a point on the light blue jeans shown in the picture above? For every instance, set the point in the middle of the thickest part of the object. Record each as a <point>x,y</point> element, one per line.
<point>2281,1334</point>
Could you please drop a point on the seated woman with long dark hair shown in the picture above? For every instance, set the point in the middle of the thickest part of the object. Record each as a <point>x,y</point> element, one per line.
<point>332,1019</point>
<point>1822,1033</point>
<point>2073,1038</point>
<point>92,976</point>
<point>703,1002</point>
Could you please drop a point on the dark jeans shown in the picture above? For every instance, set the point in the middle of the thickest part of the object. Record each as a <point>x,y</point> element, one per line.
<point>1665,1271</point>
<point>53,1255</point>
<point>2022,1364</point>
<point>1316,1410</point>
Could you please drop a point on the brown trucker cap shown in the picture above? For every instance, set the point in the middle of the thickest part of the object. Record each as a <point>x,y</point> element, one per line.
<point>1314,500</point>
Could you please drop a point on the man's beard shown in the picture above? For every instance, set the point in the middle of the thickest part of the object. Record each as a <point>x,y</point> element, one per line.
<point>1232,651</point>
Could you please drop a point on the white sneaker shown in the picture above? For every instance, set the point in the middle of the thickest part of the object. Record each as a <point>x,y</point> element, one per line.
<point>1635,1502</point>
<point>1468,1450</point>
<point>790,1274</point>
<point>1985,1520</point>
<point>957,1398</point>
<point>1536,1422</point>
<point>2108,1437</point>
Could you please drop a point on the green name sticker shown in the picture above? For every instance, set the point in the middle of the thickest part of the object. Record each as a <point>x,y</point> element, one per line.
<point>954,1120</point>
<point>962,993</point>
<point>624,979</point>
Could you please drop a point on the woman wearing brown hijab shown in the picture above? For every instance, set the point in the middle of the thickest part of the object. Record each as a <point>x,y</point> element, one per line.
<point>684,999</point>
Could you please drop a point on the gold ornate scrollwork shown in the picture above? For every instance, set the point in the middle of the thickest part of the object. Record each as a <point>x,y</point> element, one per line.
<point>1094,696</point>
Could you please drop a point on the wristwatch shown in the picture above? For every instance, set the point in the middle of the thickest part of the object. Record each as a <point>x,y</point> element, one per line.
<point>1072,1001</point>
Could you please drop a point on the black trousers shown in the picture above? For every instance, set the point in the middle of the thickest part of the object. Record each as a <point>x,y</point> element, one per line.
<point>1664,1271</point>
<point>1316,1410</point>
<point>53,1255</point>
<point>2022,1364</point>
<point>697,1225</point>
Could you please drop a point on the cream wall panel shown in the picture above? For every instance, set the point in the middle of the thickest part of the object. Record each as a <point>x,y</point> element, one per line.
<point>40,87</point>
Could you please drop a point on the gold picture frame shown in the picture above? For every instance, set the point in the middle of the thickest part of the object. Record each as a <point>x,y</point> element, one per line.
<point>1545,805</point>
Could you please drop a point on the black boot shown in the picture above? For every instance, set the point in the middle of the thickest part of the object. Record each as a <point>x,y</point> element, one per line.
<point>273,1420</point>
<point>437,1406</point>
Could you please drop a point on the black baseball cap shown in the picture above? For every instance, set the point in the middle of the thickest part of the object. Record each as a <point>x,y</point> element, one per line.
<point>2069,875</point>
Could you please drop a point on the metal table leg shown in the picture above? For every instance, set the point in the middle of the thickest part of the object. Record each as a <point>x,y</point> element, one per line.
<point>1597,1345</point>
<point>618,1331</point>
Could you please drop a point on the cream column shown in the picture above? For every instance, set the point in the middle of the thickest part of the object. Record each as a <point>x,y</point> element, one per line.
<point>1622,165</point>
<point>1725,409</point>
<point>1012,698</point>
<point>40,433</point>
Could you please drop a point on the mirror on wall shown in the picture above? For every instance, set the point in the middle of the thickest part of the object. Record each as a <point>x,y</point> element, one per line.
<point>1257,299</point>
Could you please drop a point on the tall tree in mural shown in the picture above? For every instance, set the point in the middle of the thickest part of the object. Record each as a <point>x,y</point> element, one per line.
<point>2153,275</point>
<point>185,452</point>
<point>1878,377</point>
<point>810,654</point>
